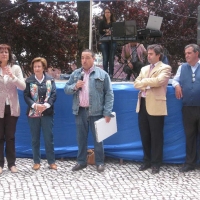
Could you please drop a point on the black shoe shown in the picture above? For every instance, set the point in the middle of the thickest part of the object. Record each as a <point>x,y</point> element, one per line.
<point>144,167</point>
<point>78,167</point>
<point>100,168</point>
<point>155,170</point>
<point>186,168</point>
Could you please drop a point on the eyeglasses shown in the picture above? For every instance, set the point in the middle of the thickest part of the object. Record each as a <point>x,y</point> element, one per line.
<point>193,77</point>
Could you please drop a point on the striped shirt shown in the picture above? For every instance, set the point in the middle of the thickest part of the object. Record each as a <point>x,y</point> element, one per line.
<point>84,93</point>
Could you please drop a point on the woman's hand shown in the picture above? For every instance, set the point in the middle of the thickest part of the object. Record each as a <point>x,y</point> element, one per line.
<point>108,32</point>
<point>40,108</point>
<point>9,72</point>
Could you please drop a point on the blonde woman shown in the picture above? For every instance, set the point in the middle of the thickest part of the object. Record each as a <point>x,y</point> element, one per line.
<point>40,95</point>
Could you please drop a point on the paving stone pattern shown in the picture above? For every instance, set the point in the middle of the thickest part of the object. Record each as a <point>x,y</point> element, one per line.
<point>119,182</point>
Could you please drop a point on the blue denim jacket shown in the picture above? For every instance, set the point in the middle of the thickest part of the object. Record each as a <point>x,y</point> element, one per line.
<point>101,95</point>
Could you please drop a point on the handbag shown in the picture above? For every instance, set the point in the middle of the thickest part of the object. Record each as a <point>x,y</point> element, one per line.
<point>90,157</point>
<point>33,113</point>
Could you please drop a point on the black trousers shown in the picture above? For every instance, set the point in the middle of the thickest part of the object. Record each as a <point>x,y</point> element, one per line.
<point>7,136</point>
<point>151,131</point>
<point>191,123</point>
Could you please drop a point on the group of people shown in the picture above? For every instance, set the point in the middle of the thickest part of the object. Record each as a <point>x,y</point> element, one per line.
<point>93,99</point>
<point>151,107</point>
<point>132,56</point>
<point>39,94</point>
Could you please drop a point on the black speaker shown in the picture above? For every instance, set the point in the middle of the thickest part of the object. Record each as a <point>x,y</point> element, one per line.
<point>130,28</point>
<point>118,29</point>
<point>198,26</point>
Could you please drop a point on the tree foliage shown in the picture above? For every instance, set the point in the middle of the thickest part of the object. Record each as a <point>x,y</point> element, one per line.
<point>60,31</point>
<point>40,29</point>
<point>179,26</point>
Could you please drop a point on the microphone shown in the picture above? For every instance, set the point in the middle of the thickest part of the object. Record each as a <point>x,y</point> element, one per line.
<point>82,76</point>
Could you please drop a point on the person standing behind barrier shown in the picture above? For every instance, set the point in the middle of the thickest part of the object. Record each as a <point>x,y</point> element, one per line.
<point>108,48</point>
<point>187,87</point>
<point>92,99</point>
<point>151,107</point>
<point>40,95</point>
<point>11,78</point>
<point>133,58</point>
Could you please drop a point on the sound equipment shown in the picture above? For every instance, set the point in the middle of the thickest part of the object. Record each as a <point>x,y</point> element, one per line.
<point>119,39</point>
<point>130,28</point>
<point>118,29</point>
<point>143,33</point>
<point>198,26</point>
<point>123,29</point>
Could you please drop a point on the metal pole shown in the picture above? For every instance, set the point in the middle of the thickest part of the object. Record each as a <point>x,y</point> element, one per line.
<point>90,27</point>
<point>198,26</point>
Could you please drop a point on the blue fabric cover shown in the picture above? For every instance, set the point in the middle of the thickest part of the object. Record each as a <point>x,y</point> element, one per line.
<point>125,144</point>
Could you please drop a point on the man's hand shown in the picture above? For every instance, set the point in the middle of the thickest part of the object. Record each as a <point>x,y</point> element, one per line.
<point>79,84</point>
<point>107,119</point>
<point>130,65</point>
<point>178,92</point>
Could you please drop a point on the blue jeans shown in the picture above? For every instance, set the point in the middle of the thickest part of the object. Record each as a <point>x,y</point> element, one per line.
<point>83,121</point>
<point>46,123</point>
<point>108,52</point>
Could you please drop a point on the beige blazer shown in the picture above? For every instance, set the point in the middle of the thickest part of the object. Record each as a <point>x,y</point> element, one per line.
<point>155,88</point>
<point>9,90</point>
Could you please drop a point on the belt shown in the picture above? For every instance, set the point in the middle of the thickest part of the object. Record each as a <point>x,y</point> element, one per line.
<point>86,108</point>
<point>143,99</point>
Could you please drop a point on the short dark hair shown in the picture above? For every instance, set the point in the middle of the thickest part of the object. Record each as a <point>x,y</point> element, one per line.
<point>195,48</point>
<point>7,47</point>
<point>89,51</point>
<point>158,49</point>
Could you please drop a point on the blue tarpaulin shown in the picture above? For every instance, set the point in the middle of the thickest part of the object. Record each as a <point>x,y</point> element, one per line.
<point>125,144</point>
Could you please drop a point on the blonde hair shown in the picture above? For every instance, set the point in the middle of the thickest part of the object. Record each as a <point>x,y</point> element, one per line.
<point>39,59</point>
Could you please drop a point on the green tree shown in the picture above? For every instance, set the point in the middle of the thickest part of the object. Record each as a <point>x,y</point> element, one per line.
<point>41,29</point>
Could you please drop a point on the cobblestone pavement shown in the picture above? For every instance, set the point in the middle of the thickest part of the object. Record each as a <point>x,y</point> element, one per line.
<point>116,182</point>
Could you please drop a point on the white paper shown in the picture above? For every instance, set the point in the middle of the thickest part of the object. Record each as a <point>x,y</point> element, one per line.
<point>105,130</point>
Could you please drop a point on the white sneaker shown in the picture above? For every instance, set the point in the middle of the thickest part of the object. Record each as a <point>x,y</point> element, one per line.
<point>13,169</point>
<point>1,170</point>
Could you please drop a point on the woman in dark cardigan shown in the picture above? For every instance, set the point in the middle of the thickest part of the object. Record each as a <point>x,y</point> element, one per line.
<point>108,48</point>
<point>40,95</point>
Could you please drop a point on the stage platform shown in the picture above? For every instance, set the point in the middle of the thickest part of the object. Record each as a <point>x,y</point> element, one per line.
<point>125,144</point>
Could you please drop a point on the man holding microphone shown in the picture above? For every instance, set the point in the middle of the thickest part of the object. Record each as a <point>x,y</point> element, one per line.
<point>92,99</point>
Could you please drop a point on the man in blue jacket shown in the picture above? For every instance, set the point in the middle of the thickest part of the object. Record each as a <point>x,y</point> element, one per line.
<point>92,99</point>
<point>187,88</point>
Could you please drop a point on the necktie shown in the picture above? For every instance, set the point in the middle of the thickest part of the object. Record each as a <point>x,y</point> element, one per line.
<point>151,67</point>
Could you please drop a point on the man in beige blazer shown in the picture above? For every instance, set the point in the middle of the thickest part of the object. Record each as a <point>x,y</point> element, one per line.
<point>151,107</point>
